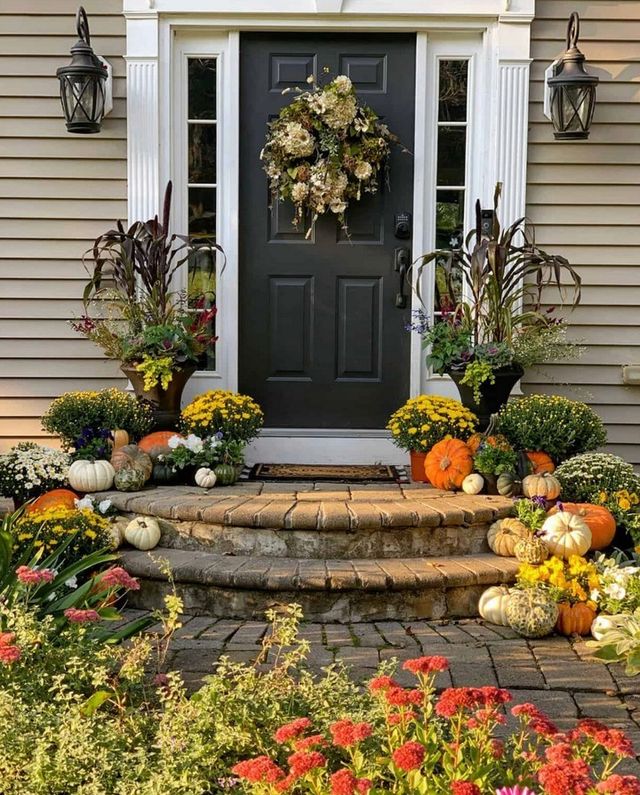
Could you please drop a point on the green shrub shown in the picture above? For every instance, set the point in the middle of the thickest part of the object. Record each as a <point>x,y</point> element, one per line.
<point>553,424</point>
<point>83,420</point>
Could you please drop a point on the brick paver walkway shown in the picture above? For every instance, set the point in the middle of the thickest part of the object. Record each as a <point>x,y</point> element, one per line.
<point>555,672</point>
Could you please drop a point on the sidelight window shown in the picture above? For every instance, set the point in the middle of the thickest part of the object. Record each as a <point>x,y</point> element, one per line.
<point>202,186</point>
<point>451,176</point>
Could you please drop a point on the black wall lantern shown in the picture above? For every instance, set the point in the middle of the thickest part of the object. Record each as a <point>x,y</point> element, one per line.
<point>85,84</point>
<point>572,97</point>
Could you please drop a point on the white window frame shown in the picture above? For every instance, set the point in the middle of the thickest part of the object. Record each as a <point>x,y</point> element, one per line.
<point>224,48</point>
<point>494,34</point>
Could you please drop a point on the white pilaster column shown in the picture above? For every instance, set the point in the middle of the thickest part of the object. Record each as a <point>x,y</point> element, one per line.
<point>512,118</point>
<point>143,119</point>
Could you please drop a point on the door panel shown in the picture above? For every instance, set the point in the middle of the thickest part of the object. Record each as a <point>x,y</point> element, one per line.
<point>322,342</point>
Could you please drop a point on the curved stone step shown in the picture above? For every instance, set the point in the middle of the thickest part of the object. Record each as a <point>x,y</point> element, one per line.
<point>328,590</point>
<point>319,524</point>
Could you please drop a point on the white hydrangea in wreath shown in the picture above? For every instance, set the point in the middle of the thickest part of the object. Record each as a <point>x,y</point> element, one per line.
<point>324,150</point>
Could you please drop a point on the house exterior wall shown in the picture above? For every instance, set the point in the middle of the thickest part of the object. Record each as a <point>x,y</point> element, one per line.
<point>585,202</point>
<point>57,192</point>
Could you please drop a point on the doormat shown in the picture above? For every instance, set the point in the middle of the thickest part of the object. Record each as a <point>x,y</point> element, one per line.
<point>345,473</point>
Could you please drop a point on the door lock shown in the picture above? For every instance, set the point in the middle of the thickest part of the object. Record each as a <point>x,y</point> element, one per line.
<point>402,226</point>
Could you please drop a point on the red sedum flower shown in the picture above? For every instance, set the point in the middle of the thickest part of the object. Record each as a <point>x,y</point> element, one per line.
<point>346,733</point>
<point>261,769</point>
<point>303,762</point>
<point>568,778</point>
<point>409,756</point>
<point>620,785</point>
<point>292,730</point>
<point>28,576</point>
<point>343,782</point>
<point>426,665</point>
<point>465,788</point>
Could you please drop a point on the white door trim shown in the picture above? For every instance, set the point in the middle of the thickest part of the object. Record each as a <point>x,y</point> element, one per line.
<point>494,34</point>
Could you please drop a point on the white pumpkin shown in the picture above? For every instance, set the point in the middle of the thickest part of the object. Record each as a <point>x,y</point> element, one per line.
<point>143,532</point>
<point>89,476</point>
<point>205,478</point>
<point>603,623</point>
<point>493,605</point>
<point>473,483</point>
<point>566,534</point>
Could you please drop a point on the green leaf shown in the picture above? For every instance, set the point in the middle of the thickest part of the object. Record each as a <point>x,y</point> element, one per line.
<point>94,702</point>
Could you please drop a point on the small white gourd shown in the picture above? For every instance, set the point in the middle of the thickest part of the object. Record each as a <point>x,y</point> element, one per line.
<point>493,605</point>
<point>116,533</point>
<point>473,483</point>
<point>90,476</point>
<point>143,532</point>
<point>205,478</point>
<point>603,623</point>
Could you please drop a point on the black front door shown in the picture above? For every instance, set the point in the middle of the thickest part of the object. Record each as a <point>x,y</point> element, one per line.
<point>322,339</point>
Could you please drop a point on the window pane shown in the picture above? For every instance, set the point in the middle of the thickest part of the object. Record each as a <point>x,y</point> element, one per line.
<point>451,155</point>
<point>202,153</point>
<point>202,211</point>
<point>449,218</point>
<point>202,88</point>
<point>201,292</point>
<point>449,234</point>
<point>453,91</point>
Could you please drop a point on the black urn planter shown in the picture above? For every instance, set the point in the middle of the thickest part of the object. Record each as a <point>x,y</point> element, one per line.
<point>166,402</point>
<point>493,396</point>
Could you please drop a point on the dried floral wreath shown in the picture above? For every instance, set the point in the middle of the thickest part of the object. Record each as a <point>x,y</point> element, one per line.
<point>324,150</point>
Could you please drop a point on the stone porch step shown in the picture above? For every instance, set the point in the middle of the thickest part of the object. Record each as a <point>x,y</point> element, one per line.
<point>339,590</point>
<point>345,523</point>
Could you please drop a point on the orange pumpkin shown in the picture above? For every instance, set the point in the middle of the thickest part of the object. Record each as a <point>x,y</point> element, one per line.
<point>500,441</point>
<point>599,519</point>
<point>448,463</point>
<point>155,444</point>
<point>541,462</point>
<point>56,498</point>
<point>574,619</point>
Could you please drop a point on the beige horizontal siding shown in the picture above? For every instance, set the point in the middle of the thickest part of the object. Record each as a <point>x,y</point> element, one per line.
<point>57,193</point>
<point>584,200</point>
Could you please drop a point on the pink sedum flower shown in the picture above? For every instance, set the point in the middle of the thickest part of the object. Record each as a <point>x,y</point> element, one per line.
<point>117,577</point>
<point>28,576</point>
<point>76,616</point>
<point>515,791</point>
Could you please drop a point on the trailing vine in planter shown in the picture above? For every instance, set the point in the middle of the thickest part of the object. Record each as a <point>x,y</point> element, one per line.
<point>324,150</point>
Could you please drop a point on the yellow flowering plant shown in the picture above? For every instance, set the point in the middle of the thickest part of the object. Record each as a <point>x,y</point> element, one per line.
<point>574,580</point>
<point>48,529</point>
<point>427,419</point>
<point>237,417</point>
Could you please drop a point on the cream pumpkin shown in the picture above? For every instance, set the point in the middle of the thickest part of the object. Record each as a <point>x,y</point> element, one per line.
<point>205,478</point>
<point>473,484</point>
<point>89,476</point>
<point>493,605</point>
<point>544,485</point>
<point>504,534</point>
<point>143,532</point>
<point>566,534</point>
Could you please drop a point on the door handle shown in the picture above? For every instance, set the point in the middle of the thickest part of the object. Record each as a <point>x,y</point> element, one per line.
<point>401,263</point>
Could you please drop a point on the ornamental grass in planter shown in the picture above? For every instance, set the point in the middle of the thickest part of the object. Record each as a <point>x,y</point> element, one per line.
<point>134,314</point>
<point>496,325</point>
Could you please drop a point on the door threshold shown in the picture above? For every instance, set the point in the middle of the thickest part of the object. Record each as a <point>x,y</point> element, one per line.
<point>309,446</point>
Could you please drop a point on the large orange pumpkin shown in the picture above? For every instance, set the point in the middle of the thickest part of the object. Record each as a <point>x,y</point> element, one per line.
<point>599,519</point>
<point>541,462</point>
<point>574,619</point>
<point>56,498</point>
<point>155,444</point>
<point>448,463</point>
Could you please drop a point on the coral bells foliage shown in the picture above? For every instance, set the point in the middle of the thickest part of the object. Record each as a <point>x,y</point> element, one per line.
<point>417,742</point>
